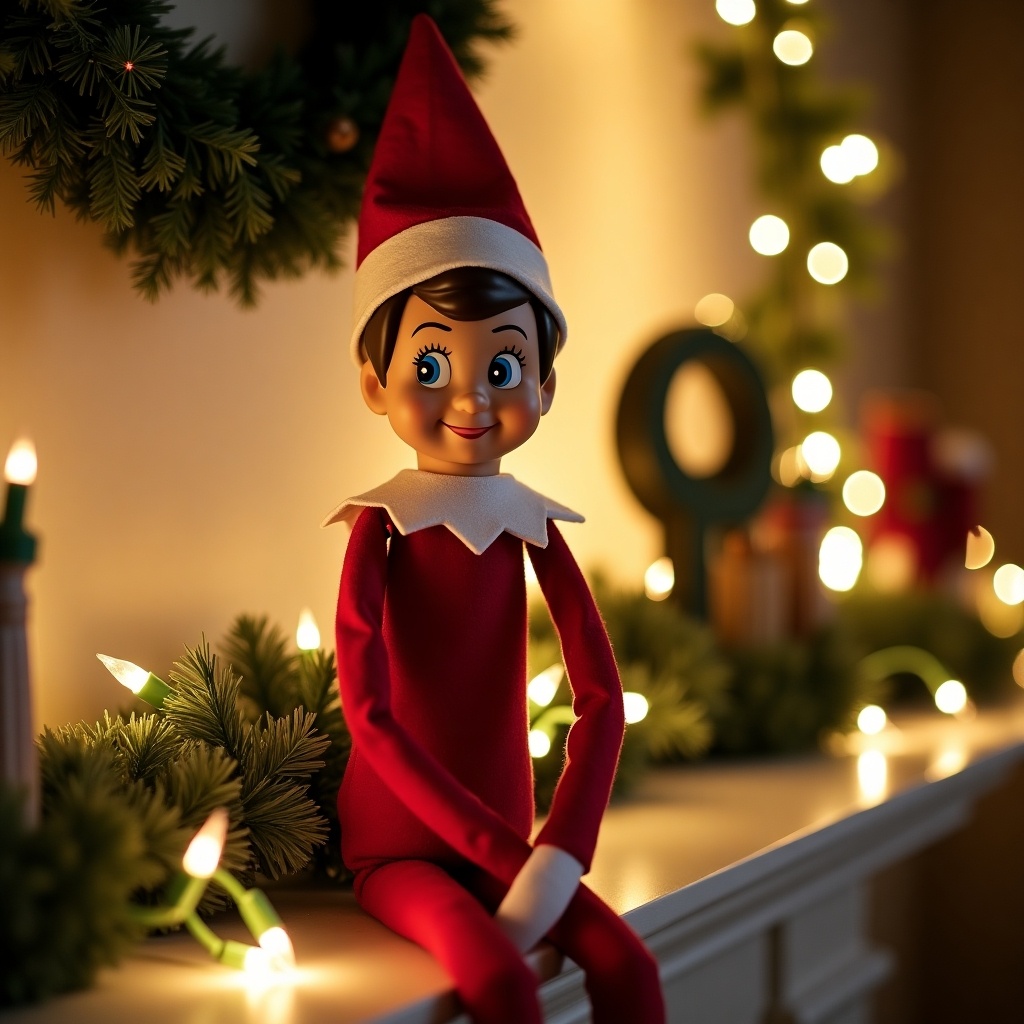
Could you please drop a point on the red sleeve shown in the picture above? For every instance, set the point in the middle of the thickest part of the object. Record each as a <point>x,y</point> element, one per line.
<point>595,738</point>
<point>425,786</point>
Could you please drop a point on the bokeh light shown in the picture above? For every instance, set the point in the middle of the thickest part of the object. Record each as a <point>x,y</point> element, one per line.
<point>769,235</point>
<point>827,263</point>
<point>840,558</point>
<point>539,742</point>
<point>836,165</point>
<point>951,697</point>
<point>793,46</point>
<point>981,546</point>
<point>872,775</point>
<point>659,579</point>
<point>542,688</point>
<point>811,390</point>
<point>821,452</point>
<point>863,492</point>
<point>736,12</point>
<point>871,720</point>
<point>714,310</point>
<point>861,153</point>
<point>789,467</point>
<point>1018,668</point>
<point>635,706</point>
<point>1008,583</point>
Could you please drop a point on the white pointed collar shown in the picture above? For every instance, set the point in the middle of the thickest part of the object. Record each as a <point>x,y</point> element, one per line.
<point>477,509</point>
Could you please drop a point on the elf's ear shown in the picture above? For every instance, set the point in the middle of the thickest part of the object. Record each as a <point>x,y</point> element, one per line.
<point>374,393</point>
<point>547,392</point>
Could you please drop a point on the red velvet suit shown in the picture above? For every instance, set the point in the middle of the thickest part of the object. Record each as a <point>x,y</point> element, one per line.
<point>436,806</point>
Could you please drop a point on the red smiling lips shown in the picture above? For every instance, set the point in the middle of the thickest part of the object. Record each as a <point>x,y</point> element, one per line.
<point>471,433</point>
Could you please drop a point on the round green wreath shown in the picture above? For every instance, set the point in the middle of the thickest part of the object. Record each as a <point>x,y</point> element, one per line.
<point>201,170</point>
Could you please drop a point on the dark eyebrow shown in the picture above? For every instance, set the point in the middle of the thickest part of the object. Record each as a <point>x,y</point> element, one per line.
<point>509,327</point>
<point>430,323</point>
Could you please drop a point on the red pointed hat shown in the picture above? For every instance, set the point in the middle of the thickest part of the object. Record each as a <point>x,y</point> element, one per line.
<point>439,193</point>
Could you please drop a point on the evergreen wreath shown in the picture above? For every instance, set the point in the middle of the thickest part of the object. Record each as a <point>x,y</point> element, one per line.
<point>201,170</point>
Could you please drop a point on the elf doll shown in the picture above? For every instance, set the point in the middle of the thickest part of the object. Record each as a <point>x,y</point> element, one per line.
<point>456,330</point>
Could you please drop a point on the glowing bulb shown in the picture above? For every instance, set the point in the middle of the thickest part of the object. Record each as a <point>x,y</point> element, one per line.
<point>539,742</point>
<point>861,153</point>
<point>980,547</point>
<point>659,579</point>
<point>257,961</point>
<point>872,774</point>
<point>203,853</point>
<point>836,165</point>
<point>276,942</point>
<point>21,465</point>
<point>812,390</point>
<point>635,706</point>
<point>840,558</point>
<point>542,688</point>
<point>125,672</point>
<point>864,492</point>
<point>714,310</point>
<point>827,263</point>
<point>736,12</point>
<point>951,697</point>
<point>769,235</point>
<point>871,720</point>
<point>307,635</point>
<point>793,46</point>
<point>821,452</point>
<point>1008,583</point>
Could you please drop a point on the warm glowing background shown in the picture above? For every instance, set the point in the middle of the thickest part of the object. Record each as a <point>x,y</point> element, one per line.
<point>189,450</point>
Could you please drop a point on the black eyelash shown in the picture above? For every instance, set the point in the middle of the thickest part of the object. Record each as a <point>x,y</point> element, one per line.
<point>427,349</point>
<point>517,352</point>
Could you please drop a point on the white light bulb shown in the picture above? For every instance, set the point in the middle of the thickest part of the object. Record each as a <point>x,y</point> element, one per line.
<point>204,852</point>
<point>307,634</point>
<point>21,464</point>
<point>127,674</point>
<point>276,942</point>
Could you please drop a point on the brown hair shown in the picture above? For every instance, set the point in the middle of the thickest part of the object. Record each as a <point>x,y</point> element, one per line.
<point>465,293</point>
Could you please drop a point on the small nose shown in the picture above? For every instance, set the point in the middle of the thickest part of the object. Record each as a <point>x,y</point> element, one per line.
<point>476,400</point>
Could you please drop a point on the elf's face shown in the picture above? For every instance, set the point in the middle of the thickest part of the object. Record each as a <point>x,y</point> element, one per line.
<point>462,393</point>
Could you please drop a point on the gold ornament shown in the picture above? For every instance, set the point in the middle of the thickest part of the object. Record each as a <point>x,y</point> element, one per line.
<point>342,134</point>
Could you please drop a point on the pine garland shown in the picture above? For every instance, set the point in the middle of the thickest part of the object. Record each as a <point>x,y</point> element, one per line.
<point>793,322</point>
<point>203,171</point>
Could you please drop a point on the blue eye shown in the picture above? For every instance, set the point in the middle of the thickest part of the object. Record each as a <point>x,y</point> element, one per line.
<point>433,369</point>
<point>505,370</point>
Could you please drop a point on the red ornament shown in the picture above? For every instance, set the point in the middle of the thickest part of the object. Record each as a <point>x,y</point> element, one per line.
<point>342,134</point>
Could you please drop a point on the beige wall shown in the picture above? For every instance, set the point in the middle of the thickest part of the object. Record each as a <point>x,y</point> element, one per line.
<point>189,450</point>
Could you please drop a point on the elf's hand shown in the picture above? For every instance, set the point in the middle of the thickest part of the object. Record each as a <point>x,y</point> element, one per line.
<point>539,895</point>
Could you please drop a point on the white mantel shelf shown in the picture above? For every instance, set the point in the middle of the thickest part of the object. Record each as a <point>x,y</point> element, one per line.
<point>746,878</point>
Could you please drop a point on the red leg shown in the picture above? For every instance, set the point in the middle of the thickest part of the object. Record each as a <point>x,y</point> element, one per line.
<point>425,904</point>
<point>621,974</point>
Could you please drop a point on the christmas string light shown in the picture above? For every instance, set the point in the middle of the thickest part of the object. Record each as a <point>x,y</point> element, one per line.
<point>307,633</point>
<point>143,684</point>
